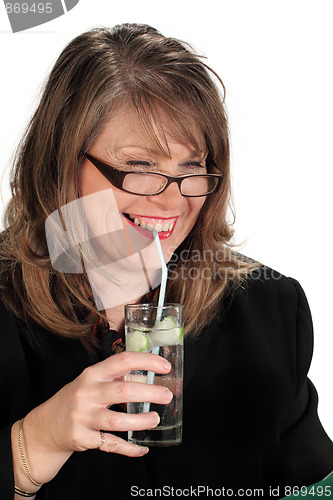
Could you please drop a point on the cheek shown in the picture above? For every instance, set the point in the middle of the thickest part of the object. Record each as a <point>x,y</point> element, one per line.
<point>125,201</point>
<point>195,207</point>
<point>91,180</point>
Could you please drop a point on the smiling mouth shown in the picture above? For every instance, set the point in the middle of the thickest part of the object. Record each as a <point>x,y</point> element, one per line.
<point>163,226</point>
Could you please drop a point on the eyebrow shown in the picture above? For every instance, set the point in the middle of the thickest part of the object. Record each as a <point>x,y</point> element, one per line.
<point>196,152</point>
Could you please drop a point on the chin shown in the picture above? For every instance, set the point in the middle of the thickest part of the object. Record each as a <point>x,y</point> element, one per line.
<point>170,245</point>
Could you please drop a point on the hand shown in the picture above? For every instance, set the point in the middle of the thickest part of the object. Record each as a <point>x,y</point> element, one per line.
<point>79,410</point>
<point>71,420</point>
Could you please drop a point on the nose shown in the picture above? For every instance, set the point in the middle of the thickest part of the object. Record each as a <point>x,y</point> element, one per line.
<point>170,198</point>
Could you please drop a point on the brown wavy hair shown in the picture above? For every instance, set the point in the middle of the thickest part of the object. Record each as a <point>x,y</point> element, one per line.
<point>96,74</point>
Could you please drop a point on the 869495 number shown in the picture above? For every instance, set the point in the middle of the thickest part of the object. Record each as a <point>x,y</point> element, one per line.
<point>24,8</point>
<point>302,491</point>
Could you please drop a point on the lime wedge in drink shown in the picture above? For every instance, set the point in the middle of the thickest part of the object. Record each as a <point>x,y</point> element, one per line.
<point>166,333</point>
<point>137,341</point>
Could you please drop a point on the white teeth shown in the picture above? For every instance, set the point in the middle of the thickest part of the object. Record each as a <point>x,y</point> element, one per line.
<point>151,227</point>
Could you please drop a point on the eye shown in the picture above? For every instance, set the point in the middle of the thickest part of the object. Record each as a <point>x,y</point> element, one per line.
<point>194,167</point>
<point>140,165</point>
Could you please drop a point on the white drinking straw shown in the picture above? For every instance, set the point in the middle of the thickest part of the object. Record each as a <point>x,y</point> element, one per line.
<point>164,274</point>
<point>156,350</point>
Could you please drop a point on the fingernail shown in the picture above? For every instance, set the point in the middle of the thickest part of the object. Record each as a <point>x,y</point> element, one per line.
<point>168,394</point>
<point>143,449</point>
<point>156,419</point>
<point>166,364</point>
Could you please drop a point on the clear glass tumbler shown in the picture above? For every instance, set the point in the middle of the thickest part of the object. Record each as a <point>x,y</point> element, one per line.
<point>160,330</point>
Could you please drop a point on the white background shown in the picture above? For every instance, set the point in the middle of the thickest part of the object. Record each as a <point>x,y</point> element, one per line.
<point>275,58</point>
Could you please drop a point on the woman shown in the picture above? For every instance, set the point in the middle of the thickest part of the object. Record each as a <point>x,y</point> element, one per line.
<point>124,100</point>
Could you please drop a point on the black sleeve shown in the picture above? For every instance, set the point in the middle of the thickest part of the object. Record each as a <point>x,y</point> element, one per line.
<point>14,394</point>
<point>306,452</point>
<point>6,467</point>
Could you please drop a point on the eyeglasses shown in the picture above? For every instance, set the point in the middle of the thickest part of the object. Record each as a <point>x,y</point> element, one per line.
<point>153,183</point>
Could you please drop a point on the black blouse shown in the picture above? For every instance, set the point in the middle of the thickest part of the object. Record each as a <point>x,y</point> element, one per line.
<point>250,412</point>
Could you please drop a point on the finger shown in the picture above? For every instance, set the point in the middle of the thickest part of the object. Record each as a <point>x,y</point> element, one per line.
<point>116,421</point>
<point>115,392</point>
<point>114,444</point>
<point>120,364</point>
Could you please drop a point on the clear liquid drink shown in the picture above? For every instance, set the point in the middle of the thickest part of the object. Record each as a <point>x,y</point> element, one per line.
<point>161,332</point>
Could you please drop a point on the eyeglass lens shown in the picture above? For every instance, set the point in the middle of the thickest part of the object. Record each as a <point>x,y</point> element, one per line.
<point>152,184</point>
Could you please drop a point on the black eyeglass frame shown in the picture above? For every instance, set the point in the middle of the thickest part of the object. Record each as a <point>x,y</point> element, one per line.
<point>116,178</point>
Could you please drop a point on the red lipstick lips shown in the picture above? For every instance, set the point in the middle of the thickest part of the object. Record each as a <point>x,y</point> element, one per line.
<point>158,222</point>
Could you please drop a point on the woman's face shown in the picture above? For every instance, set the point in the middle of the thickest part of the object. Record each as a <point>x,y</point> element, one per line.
<point>122,144</point>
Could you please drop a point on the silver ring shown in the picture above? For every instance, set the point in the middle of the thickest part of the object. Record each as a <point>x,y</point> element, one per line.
<point>102,440</point>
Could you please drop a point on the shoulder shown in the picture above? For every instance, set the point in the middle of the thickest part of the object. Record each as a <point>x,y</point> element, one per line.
<point>267,287</point>
<point>274,302</point>
<point>274,299</point>
<point>6,317</point>
<point>273,309</point>
<point>9,333</point>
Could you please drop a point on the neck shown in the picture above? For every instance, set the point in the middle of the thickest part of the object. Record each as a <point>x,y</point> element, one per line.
<point>116,315</point>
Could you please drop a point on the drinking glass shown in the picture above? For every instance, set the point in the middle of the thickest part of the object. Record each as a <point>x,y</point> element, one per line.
<point>160,330</point>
